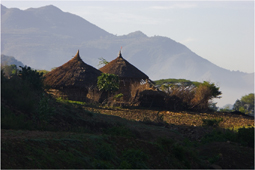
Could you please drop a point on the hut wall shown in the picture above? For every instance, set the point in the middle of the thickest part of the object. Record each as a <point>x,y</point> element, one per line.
<point>130,88</point>
<point>94,95</point>
<point>76,94</point>
<point>151,98</point>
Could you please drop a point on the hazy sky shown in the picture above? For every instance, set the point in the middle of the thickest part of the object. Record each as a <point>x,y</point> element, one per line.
<point>220,31</point>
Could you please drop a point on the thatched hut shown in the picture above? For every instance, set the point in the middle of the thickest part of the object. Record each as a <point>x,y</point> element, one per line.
<point>128,74</point>
<point>73,79</point>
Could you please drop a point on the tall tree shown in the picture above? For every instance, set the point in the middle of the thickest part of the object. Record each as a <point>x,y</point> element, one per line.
<point>245,104</point>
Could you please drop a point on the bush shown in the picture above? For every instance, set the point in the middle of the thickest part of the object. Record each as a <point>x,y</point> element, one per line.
<point>108,82</point>
<point>135,159</point>
<point>44,110</point>
<point>192,96</point>
<point>34,78</point>
<point>119,131</point>
<point>220,136</point>
<point>211,122</point>
<point>9,120</point>
<point>19,94</point>
<point>9,70</point>
<point>105,151</point>
<point>246,136</point>
<point>118,96</point>
<point>25,94</point>
<point>157,120</point>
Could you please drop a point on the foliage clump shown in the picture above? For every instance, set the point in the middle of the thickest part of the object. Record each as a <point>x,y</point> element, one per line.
<point>211,122</point>
<point>108,82</point>
<point>24,92</point>
<point>135,159</point>
<point>245,104</point>
<point>187,95</point>
<point>34,78</point>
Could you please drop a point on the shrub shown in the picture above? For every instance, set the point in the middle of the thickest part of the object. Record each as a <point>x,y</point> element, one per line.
<point>191,96</point>
<point>19,94</point>
<point>136,159</point>
<point>219,136</point>
<point>108,82</point>
<point>44,110</point>
<point>118,96</point>
<point>105,151</point>
<point>9,70</point>
<point>119,131</point>
<point>246,136</point>
<point>158,120</point>
<point>211,122</point>
<point>34,78</point>
<point>99,164</point>
<point>9,120</point>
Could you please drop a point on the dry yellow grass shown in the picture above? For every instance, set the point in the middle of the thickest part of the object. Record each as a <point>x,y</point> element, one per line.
<point>230,121</point>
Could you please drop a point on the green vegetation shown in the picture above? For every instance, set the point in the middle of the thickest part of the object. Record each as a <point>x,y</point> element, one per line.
<point>135,159</point>
<point>212,122</point>
<point>41,132</point>
<point>102,61</point>
<point>186,95</point>
<point>245,104</point>
<point>44,72</point>
<point>118,96</point>
<point>9,70</point>
<point>244,136</point>
<point>34,78</point>
<point>176,81</point>
<point>108,82</point>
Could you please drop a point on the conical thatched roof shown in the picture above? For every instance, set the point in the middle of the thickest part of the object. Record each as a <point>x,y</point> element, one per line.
<point>74,73</point>
<point>123,69</point>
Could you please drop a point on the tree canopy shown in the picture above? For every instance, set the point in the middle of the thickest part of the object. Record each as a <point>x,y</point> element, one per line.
<point>108,82</point>
<point>245,104</point>
<point>102,61</point>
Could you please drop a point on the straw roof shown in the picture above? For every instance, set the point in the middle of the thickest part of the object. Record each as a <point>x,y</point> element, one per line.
<point>74,73</point>
<point>123,69</point>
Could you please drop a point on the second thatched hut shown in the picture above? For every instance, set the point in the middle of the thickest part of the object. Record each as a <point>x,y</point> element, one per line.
<point>130,76</point>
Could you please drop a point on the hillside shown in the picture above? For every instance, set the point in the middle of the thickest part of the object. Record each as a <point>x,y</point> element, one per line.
<point>41,132</point>
<point>47,37</point>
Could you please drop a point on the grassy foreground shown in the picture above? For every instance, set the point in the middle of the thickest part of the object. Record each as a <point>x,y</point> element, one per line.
<point>40,132</point>
<point>85,136</point>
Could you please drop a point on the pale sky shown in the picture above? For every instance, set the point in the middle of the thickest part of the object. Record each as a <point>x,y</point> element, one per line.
<point>219,31</point>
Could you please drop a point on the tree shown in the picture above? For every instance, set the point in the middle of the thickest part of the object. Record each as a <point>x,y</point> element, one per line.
<point>215,93</point>
<point>9,70</point>
<point>205,92</point>
<point>102,61</point>
<point>165,88</point>
<point>248,101</point>
<point>213,106</point>
<point>237,105</point>
<point>34,78</point>
<point>108,82</point>
<point>246,104</point>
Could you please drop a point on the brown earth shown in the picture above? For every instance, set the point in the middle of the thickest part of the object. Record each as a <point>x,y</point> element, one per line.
<point>180,125</point>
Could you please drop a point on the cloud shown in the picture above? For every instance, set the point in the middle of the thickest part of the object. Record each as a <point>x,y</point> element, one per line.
<point>188,40</point>
<point>174,6</point>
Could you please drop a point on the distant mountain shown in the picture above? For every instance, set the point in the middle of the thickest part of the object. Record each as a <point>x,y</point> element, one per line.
<point>9,60</point>
<point>47,37</point>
